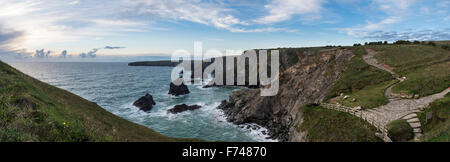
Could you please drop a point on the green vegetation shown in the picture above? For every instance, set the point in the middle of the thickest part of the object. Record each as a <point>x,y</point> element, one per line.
<point>361,81</point>
<point>323,125</point>
<point>400,131</point>
<point>31,110</point>
<point>437,129</point>
<point>369,97</point>
<point>426,67</point>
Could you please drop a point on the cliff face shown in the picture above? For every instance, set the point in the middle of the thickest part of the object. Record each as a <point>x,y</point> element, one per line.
<point>305,77</point>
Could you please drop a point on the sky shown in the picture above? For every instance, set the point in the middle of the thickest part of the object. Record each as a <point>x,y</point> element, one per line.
<point>95,30</point>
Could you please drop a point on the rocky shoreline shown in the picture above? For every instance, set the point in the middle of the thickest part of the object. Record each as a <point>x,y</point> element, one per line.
<point>304,82</point>
<point>305,77</point>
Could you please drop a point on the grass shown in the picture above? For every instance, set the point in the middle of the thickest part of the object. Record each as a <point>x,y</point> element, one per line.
<point>400,131</point>
<point>369,97</point>
<point>31,110</point>
<point>426,81</point>
<point>437,129</point>
<point>323,125</point>
<point>361,81</point>
<point>426,67</point>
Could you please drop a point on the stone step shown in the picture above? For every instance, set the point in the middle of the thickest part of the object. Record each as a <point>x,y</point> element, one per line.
<point>417,136</point>
<point>417,130</point>
<point>415,125</point>
<point>413,120</point>
<point>410,116</point>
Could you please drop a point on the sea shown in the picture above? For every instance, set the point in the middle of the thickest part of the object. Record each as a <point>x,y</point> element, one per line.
<point>115,86</point>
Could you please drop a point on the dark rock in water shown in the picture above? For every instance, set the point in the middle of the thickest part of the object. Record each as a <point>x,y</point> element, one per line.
<point>145,103</point>
<point>183,107</point>
<point>264,132</point>
<point>178,90</point>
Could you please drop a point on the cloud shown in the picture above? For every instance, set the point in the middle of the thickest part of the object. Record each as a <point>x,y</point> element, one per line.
<point>268,29</point>
<point>47,22</point>
<point>394,6</point>
<point>8,37</point>
<point>42,54</point>
<point>74,2</point>
<point>421,35</point>
<point>110,47</point>
<point>203,12</point>
<point>361,30</point>
<point>381,24</point>
<point>63,54</point>
<point>282,10</point>
<point>90,54</point>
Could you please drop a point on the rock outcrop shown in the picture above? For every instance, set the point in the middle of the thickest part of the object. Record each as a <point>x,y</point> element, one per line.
<point>145,103</point>
<point>305,77</point>
<point>177,90</point>
<point>183,107</point>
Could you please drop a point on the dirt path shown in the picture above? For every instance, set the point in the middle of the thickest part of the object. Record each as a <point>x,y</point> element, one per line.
<point>369,58</point>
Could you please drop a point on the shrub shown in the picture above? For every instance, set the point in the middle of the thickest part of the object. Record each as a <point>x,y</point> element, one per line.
<point>402,42</point>
<point>400,131</point>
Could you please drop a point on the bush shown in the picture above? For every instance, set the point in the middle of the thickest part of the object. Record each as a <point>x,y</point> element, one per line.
<point>400,131</point>
<point>446,47</point>
<point>437,129</point>
<point>402,42</point>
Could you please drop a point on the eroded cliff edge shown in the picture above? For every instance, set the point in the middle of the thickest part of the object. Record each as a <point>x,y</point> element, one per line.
<point>305,77</point>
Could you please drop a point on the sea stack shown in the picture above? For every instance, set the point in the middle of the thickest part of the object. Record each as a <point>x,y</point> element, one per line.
<point>183,107</point>
<point>177,90</point>
<point>145,103</point>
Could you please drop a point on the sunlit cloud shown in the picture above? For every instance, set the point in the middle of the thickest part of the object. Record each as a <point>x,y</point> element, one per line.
<point>282,10</point>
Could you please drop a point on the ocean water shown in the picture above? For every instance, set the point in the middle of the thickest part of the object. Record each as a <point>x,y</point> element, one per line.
<point>115,86</point>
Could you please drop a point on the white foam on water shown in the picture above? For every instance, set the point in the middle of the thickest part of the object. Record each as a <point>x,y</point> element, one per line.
<point>221,118</point>
<point>257,133</point>
<point>208,112</point>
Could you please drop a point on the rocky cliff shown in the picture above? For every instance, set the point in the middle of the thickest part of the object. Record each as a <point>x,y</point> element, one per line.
<point>305,77</point>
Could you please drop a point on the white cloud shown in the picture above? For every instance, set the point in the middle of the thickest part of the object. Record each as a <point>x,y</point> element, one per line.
<point>381,24</point>
<point>394,7</point>
<point>74,2</point>
<point>46,22</point>
<point>282,10</point>
<point>207,13</point>
<point>203,12</point>
<point>363,30</point>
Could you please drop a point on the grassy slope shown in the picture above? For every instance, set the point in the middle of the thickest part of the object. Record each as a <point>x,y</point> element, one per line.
<point>323,125</point>
<point>31,110</point>
<point>426,67</point>
<point>437,129</point>
<point>363,82</point>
